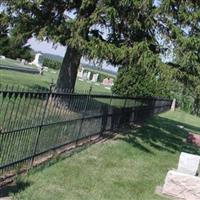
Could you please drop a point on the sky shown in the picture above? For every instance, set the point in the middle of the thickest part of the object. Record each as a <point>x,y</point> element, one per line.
<point>48,47</point>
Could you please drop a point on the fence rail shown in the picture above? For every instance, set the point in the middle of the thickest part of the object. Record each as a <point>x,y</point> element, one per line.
<point>35,122</point>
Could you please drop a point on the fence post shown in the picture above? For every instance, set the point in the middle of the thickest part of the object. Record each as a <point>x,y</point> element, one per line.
<point>173,105</point>
<point>125,101</point>
<point>112,114</point>
<point>123,114</point>
<point>41,124</point>
<point>104,119</point>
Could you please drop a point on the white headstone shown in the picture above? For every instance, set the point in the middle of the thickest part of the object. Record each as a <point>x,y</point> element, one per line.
<point>188,163</point>
<point>2,57</point>
<point>23,62</point>
<point>85,74</point>
<point>181,186</point>
<point>80,73</point>
<point>38,61</point>
<point>88,75</point>
<point>95,77</point>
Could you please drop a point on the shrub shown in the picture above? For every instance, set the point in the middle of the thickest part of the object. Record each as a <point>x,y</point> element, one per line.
<point>53,64</point>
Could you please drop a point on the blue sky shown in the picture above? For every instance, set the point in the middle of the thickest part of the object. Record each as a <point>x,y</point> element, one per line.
<point>47,47</point>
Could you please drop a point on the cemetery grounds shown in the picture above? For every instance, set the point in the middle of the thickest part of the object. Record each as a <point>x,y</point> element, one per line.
<point>36,81</point>
<point>130,166</point>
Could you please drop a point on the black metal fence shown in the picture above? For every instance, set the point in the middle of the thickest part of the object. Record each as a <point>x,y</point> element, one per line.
<point>35,122</point>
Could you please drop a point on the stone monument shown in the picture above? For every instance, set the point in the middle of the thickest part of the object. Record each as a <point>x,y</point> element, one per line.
<point>2,57</point>
<point>184,183</point>
<point>80,73</point>
<point>85,75</point>
<point>108,82</point>
<point>38,62</point>
<point>88,75</point>
<point>95,78</point>
<point>23,61</point>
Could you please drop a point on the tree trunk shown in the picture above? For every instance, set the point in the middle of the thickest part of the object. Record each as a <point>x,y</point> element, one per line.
<point>196,106</point>
<point>69,68</point>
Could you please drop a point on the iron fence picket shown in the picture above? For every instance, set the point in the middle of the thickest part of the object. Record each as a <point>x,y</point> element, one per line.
<point>34,122</point>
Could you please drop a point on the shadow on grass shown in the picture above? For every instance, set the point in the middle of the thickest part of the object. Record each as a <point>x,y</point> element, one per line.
<point>162,134</point>
<point>14,188</point>
<point>20,185</point>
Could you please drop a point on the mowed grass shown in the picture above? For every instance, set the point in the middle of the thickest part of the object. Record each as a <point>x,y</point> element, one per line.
<point>11,62</point>
<point>129,166</point>
<point>35,81</point>
<point>32,81</point>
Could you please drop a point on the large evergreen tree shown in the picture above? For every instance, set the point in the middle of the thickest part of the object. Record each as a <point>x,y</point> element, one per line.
<point>178,28</point>
<point>126,33</point>
<point>4,39</point>
<point>183,17</point>
<point>12,44</point>
<point>111,30</point>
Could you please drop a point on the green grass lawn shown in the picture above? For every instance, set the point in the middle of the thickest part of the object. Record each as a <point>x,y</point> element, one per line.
<point>35,81</point>
<point>11,62</point>
<point>129,166</point>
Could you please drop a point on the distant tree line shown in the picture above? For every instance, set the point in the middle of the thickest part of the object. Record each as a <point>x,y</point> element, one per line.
<point>53,64</point>
<point>13,44</point>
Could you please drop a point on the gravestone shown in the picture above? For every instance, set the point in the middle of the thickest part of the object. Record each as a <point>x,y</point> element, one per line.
<point>105,81</point>
<point>88,75</point>
<point>181,186</point>
<point>38,61</point>
<point>188,163</point>
<point>95,78</point>
<point>194,139</point>
<point>183,182</point>
<point>108,82</point>
<point>23,61</point>
<point>2,57</point>
<point>85,74</point>
<point>80,73</point>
